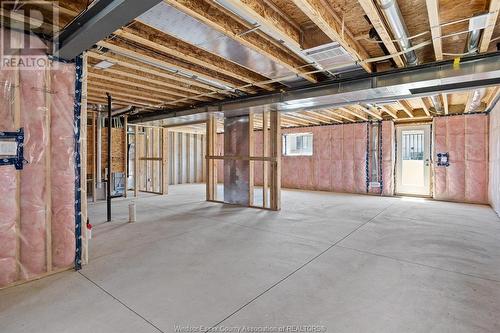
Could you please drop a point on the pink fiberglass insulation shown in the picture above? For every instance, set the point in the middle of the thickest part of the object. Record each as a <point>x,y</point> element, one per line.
<point>8,209</point>
<point>62,167</point>
<point>338,163</point>
<point>388,158</point>
<point>33,177</point>
<point>24,245</point>
<point>494,163</point>
<point>465,138</point>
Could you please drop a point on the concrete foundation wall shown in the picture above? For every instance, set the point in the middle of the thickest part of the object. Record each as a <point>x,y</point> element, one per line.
<point>494,162</point>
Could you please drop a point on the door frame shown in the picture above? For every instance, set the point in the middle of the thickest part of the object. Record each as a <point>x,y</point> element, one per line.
<point>427,126</point>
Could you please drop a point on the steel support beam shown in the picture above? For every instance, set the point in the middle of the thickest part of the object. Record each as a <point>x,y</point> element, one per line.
<point>430,79</point>
<point>100,20</point>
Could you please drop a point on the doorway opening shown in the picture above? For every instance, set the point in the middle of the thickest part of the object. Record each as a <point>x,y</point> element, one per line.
<point>413,167</point>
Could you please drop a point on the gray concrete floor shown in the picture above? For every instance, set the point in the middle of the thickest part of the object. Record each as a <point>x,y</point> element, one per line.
<point>347,263</point>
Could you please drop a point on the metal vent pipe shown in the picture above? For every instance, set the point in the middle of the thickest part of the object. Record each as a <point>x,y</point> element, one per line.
<point>473,38</point>
<point>398,28</point>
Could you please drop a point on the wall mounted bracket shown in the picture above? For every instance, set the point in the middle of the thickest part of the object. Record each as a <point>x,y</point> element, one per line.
<point>12,149</point>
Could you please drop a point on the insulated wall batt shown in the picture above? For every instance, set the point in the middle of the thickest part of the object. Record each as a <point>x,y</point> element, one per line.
<point>388,158</point>
<point>62,166</point>
<point>494,176</point>
<point>465,138</point>
<point>8,184</point>
<point>37,208</point>
<point>34,116</point>
<point>338,163</point>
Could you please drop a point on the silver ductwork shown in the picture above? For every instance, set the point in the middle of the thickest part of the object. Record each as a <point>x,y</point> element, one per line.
<point>398,28</point>
<point>473,38</point>
<point>436,101</point>
<point>122,111</point>
<point>477,96</point>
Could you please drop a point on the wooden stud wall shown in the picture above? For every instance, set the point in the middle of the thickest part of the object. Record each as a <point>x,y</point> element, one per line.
<point>151,159</point>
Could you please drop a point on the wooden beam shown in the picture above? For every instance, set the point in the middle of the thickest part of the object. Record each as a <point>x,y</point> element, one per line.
<point>470,95</point>
<point>354,113</point>
<point>268,18</point>
<point>215,16</point>
<point>293,120</point>
<point>307,120</point>
<point>490,26</point>
<point>265,153</point>
<point>433,13</point>
<point>406,107</point>
<point>121,47</point>
<point>387,109</point>
<point>125,153</point>
<point>426,106</point>
<point>154,74</point>
<point>370,111</point>
<point>378,23</point>
<point>332,116</point>
<point>123,96</point>
<point>117,77</point>
<point>146,35</point>
<point>96,90</point>
<point>324,17</point>
<point>48,167</point>
<point>164,163</point>
<point>275,147</point>
<point>108,83</point>
<point>211,177</point>
<point>251,164</point>
<point>492,97</point>
<point>445,103</point>
<point>323,117</point>
<point>341,114</point>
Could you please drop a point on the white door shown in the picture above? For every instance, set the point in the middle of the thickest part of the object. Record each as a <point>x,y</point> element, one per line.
<point>413,167</point>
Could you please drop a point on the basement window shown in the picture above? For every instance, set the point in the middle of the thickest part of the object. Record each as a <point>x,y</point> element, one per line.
<point>298,144</point>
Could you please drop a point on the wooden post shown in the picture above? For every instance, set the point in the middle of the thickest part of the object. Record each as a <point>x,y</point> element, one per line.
<point>154,143</point>
<point>136,160</point>
<point>164,164</point>
<point>204,161</point>
<point>265,164</point>
<point>94,156</point>
<point>188,157</point>
<point>251,164</point>
<point>125,153</point>
<point>211,177</point>
<point>275,145</point>
<point>48,169</point>
<point>17,125</point>
<point>175,160</point>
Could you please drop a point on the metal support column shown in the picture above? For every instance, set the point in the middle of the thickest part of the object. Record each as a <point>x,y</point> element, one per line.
<point>108,194</point>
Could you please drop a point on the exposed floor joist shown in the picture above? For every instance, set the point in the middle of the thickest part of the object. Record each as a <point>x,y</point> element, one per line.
<point>323,16</point>
<point>214,16</point>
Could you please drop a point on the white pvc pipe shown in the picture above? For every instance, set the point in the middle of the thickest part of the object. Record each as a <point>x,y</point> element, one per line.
<point>131,212</point>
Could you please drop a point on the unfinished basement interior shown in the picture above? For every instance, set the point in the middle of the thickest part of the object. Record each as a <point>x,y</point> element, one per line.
<point>260,166</point>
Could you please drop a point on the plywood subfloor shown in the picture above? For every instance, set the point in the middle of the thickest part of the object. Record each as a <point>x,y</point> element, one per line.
<point>350,263</point>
